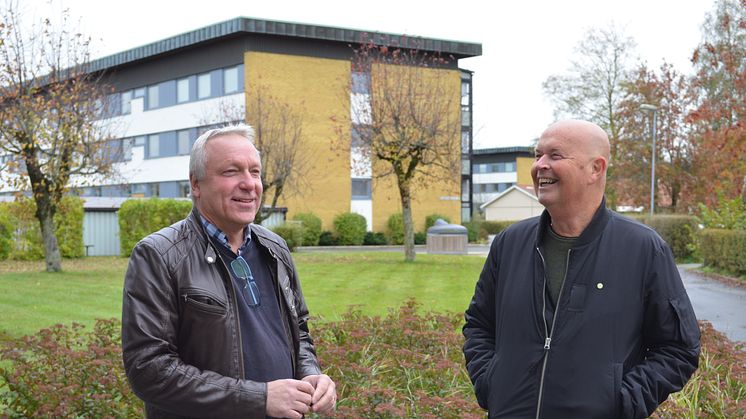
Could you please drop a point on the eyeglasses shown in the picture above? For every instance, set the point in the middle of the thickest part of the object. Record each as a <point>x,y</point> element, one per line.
<point>250,290</point>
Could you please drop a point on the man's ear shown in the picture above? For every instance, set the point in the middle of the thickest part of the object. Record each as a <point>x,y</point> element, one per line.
<point>195,186</point>
<point>598,168</point>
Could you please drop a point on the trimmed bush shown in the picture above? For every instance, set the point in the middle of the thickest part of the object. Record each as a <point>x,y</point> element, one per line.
<point>395,229</point>
<point>420,237</point>
<point>494,227</point>
<point>6,235</point>
<point>472,230</point>
<point>679,231</point>
<point>350,228</point>
<point>432,218</point>
<point>64,372</point>
<point>140,217</point>
<point>374,239</point>
<point>26,242</point>
<point>292,232</point>
<point>311,228</point>
<point>326,238</point>
<point>724,249</point>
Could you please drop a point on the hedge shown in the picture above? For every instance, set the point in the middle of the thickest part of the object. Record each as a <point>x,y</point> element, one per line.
<point>292,232</point>
<point>395,229</point>
<point>679,231</point>
<point>311,225</point>
<point>20,234</point>
<point>724,249</point>
<point>478,231</point>
<point>350,228</point>
<point>432,218</point>
<point>140,217</point>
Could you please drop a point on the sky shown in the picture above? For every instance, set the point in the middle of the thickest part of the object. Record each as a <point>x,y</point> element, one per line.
<point>523,42</point>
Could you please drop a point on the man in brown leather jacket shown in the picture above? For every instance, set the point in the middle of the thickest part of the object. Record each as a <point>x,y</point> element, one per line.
<point>214,323</point>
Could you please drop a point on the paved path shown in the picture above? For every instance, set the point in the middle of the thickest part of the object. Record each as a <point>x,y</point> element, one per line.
<point>722,305</point>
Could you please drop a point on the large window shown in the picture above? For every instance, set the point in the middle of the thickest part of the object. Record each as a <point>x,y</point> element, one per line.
<point>171,143</point>
<point>223,81</point>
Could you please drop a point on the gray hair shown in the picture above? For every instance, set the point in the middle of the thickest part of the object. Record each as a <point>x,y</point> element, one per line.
<point>198,156</point>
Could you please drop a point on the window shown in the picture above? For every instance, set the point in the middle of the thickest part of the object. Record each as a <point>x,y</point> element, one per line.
<point>465,142</point>
<point>361,189</point>
<point>360,82</point>
<point>139,92</point>
<point>185,188</point>
<point>360,135</point>
<point>169,190</point>
<point>182,91</point>
<point>230,80</point>
<point>505,167</point>
<point>152,97</point>
<point>154,146</point>
<point>126,102</point>
<point>140,140</point>
<point>465,116</point>
<point>465,88</point>
<point>203,86</point>
<point>183,142</point>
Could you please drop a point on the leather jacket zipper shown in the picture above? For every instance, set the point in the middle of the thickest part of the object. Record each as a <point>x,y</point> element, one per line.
<point>548,333</point>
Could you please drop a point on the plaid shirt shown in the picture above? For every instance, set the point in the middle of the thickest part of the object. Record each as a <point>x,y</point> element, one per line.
<point>215,233</point>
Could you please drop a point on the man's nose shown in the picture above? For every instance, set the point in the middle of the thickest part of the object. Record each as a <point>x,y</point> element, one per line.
<point>542,162</point>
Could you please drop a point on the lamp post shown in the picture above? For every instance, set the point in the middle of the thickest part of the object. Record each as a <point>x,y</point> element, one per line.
<point>654,110</point>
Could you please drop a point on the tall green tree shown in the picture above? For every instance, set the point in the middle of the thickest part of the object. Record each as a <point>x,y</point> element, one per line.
<point>593,86</point>
<point>50,107</point>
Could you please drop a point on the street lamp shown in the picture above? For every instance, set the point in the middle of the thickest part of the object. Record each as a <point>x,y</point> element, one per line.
<point>654,110</point>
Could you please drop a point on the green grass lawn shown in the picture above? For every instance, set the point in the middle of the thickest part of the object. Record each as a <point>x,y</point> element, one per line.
<point>91,288</point>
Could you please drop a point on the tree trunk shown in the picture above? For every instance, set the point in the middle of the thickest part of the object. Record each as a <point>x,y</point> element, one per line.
<point>45,215</point>
<point>406,205</point>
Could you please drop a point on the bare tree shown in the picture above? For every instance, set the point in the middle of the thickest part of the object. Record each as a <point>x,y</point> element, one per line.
<point>405,121</point>
<point>279,139</point>
<point>50,115</point>
<point>594,86</point>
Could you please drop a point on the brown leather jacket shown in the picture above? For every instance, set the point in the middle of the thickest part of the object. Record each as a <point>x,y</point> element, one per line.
<point>180,333</point>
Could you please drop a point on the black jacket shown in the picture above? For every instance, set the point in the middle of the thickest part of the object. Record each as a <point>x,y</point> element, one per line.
<point>624,336</point>
<point>180,333</point>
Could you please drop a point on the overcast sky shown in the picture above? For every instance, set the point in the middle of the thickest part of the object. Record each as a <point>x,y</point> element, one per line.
<point>523,42</point>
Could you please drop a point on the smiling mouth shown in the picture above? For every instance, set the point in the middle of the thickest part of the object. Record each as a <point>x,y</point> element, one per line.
<point>546,181</point>
<point>244,200</point>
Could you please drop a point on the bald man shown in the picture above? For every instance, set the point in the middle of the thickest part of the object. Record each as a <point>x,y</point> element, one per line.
<point>578,313</point>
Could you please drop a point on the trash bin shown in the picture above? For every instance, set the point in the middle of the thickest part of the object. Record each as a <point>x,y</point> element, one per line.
<point>444,238</point>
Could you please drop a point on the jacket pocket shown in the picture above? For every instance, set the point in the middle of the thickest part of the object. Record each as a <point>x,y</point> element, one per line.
<point>687,327</point>
<point>203,301</point>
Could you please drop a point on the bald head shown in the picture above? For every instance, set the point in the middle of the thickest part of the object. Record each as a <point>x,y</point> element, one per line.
<point>588,137</point>
<point>569,172</point>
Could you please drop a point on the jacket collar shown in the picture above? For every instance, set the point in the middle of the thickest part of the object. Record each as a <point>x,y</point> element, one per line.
<point>591,232</point>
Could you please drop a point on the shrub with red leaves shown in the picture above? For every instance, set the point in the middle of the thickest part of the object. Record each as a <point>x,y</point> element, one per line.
<point>64,372</point>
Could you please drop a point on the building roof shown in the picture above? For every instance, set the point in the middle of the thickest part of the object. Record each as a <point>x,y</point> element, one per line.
<point>527,190</point>
<point>244,25</point>
<point>503,150</point>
